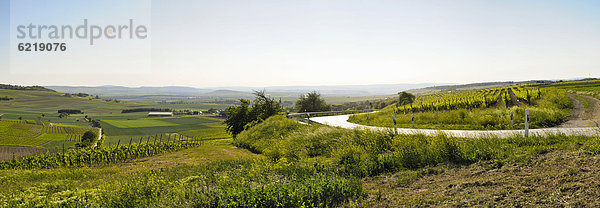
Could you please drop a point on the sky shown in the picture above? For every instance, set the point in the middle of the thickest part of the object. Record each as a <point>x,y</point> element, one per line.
<point>287,43</point>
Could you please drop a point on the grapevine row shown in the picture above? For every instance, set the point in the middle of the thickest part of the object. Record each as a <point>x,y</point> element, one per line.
<point>100,155</point>
<point>471,99</point>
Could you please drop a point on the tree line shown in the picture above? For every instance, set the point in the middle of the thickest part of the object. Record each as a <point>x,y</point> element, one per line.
<point>249,113</point>
<point>135,110</point>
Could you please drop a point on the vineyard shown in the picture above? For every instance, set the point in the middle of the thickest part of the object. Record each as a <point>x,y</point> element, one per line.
<point>505,96</point>
<point>10,152</point>
<point>77,157</point>
<point>34,133</point>
<point>488,109</point>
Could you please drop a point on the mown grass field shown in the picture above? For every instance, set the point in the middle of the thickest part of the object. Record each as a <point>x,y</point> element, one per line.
<point>204,127</point>
<point>158,126</point>
<point>138,123</point>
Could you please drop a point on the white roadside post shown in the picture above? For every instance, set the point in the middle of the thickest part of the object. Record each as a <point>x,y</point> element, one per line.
<point>512,121</point>
<point>526,122</point>
<point>367,119</point>
<point>394,119</point>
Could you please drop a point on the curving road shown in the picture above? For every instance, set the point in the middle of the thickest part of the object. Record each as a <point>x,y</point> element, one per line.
<point>341,121</point>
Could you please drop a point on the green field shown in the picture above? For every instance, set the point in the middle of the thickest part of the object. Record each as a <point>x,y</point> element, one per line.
<point>158,126</point>
<point>138,123</point>
<point>30,105</point>
<point>42,107</point>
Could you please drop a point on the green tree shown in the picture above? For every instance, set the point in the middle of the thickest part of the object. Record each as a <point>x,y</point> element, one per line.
<point>88,138</point>
<point>237,117</point>
<point>244,115</point>
<point>63,114</point>
<point>264,106</point>
<point>405,98</point>
<point>312,102</point>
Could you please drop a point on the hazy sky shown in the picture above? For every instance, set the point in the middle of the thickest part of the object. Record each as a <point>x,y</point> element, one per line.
<point>267,43</point>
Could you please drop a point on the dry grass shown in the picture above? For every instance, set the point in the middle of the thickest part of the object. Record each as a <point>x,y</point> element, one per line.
<point>558,178</point>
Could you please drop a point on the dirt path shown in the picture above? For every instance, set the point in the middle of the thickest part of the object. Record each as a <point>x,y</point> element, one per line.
<point>99,138</point>
<point>583,116</point>
<point>513,98</point>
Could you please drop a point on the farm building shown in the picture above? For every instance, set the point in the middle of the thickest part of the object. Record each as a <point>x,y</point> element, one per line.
<point>160,114</point>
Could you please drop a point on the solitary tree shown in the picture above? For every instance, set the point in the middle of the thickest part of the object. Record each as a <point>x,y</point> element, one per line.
<point>312,102</point>
<point>88,138</point>
<point>405,98</point>
<point>63,114</point>
<point>244,116</point>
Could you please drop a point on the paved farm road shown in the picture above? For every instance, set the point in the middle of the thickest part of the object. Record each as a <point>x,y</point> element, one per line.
<point>341,121</point>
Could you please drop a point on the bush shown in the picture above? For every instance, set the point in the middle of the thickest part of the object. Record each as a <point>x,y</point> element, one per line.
<point>244,116</point>
<point>88,138</point>
<point>70,111</point>
<point>311,102</point>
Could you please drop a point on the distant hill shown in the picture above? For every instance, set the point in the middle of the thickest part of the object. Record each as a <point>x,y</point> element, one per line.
<point>239,92</point>
<point>346,91</point>
<point>472,86</point>
<point>18,87</point>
